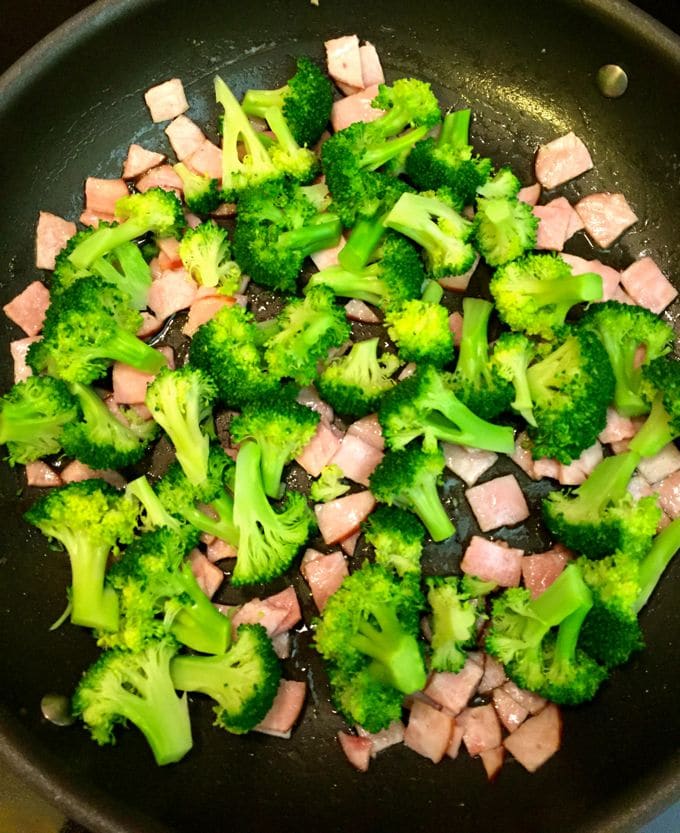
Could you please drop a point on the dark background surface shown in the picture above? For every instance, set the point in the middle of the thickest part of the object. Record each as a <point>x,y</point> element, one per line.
<point>24,23</point>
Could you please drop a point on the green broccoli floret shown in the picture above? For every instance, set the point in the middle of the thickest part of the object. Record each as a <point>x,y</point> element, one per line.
<point>369,632</point>
<point>454,623</point>
<point>33,415</point>
<point>512,355</point>
<point>409,479</point>
<point>206,255</point>
<point>202,193</point>
<point>448,161</point>
<point>153,578</point>
<point>504,229</point>
<point>136,686</point>
<point>153,513</point>
<point>397,537</point>
<point>424,405</point>
<point>502,185</point>
<point>521,636</point>
<point>100,439</point>
<point>476,588</point>
<point>282,428</point>
<point>268,541</point>
<point>305,102</point>
<point>407,102</point>
<point>179,497</point>
<point>476,380</point>
<point>661,388</point>
<point>181,401</point>
<point>243,682</point>
<point>229,349</point>
<point>534,294</point>
<point>421,332</point>
<point>87,327</point>
<point>125,268</point>
<point>277,227</point>
<point>156,211</point>
<point>395,275</point>
<point>90,519</point>
<point>431,221</point>
<point>600,516</point>
<point>353,384</point>
<point>571,389</point>
<point>621,587</point>
<point>65,273</point>
<point>329,485</point>
<point>308,329</point>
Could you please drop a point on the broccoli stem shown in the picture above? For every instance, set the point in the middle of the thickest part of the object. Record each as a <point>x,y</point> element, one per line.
<point>568,635</point>
<point>586,287</point>
<point>607,483</point>
<point>200,625</point>
<point>411,215</point>
<point>279,127</point>
<point>322,233</point>
<point>473,353</point>
<point>155,511</point>
<point>627,377</point>
<point>455,129</point>
<point>468,429</point>
<point>128,349</point>
<point>566,595</point>
<point>93,604</point>
<point>665,547</point>
<point>656,432</point>
<point>104,240</point>
<point>428,507</point>
<point>273,462</point>
<point>222,527</point>
<point>432,293</point>
<point>258,102</point>
<point>365,285</point>
<point>204,674</point>
<point>362,242</point>
<point>380,154</point>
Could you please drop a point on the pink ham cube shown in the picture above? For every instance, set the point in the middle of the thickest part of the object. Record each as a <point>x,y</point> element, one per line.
<point>324,575</point>
<point>41,475</point>
<point>359,311</point>
<point>130,384</point>
<point>203,310</point>
<point>384,738</point>
<point>605,217</point>
<point>494,675</point>
<point>493,561</point>
<point>454,691</point>
<point>320,450</point>
<point>530,194</point>
<point>540,570</point>
<point>139,160</point>
<point>28,308</point>
<point>669,494</point>
<point>185,136</point>
<point>498,502</point>
<point>369,430</point>
<point>354,108</point>
<point>537,739</point>
<point>208,575</point>
<point>167,100</point>
<point>101,195</point>
<point>285,710</point>
<point>339,518</point>
<point>428,731</point>
<point>344,61</point>
<point>357,750</point>
<point>371,68</point>
<point>481,729</point>
<point>561,160</point>
<point>328,257</point>
<point>172,292</point>
<point>19,350</point>
<point>648,286</point>
<point>76,472</point>
<point>555,221</point>
<point>356,459</point>
<point>51,235</point>
<point>468,463</point>
<point>510,712</point>
<point>661,465</point>
<point>493,761</point>
<point>617,428</point>
<point>163,177</point>
<point>206,160</point>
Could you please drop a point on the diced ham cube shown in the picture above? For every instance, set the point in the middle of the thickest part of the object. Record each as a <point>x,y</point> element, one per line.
<point>493,761</point>
<point>218,550</point>
<point>101,195</point>
<point>203,309</point>
<point>605,217</point>
<point>661,465</point>
<point>357,750</point>
<point>510,712</point>
<point>41,475</point>
<point>285,710</point>
<point>456,739</point>
<point>456,327</point>
<point>92,219</point>
<point>281,645</point>
<point>523,457</point>
<point>19,350</point>
<point>369,430</point>
<point>648,286</point>
<point>130,384</point>
<point>617,428</point>
<point>669,494</point>
<point>530,194</point>
<point>494,675</point>
<point>167,100</point>
<point>324,576</point>
<point>468,463</point>
<point>349,544</point>
<point>532,702</point>
<point>225,209</point>
<point>150,325</point>
<point>344,61</point>
<point>185,136</point>
<point>561,160</point>
<point>169,251</point>
<point>498,502</point>
<point>139,160</point>
<point>359,311</point>
<point>206,160</point>
<point>371,68</point>
<point>408,370</point>
<point>193,220</point>
<point>540,570</point>
<point>547,467</point>
<point>51,235</point>
<point>493,561</point>
<point>208,575</point>
<point>161,177</point>
<point>428,731</point>
<point>320,450</point>
<point>311,399</point>
<point>339,518</point>
<point>258,612</point>
<point>537,739</point>
<point>76,472</point>
<point>172,292</point>
<point>554,220</point>
<point>356,459</point>
<point>28,308</point>
<point>459,283</point>
<point>453,691</point>
<point>639,487</point>
<point>354,108</point>
<point>481,729</point>
<point>621,296</point>
<point>328,257</point>
<point>287,601</point>
<point>610,277</point>
<point>384,738</point>
<point>578,470</point>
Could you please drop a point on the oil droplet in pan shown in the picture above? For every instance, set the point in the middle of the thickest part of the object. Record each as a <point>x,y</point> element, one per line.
<point>57,709</point>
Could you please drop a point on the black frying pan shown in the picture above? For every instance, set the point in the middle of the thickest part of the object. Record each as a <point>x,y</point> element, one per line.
<point>70,109</point>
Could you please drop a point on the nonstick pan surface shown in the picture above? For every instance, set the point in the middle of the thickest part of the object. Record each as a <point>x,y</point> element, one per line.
<point>70,109</point>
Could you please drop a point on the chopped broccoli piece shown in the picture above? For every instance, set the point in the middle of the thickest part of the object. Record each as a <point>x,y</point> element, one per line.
<point>476,588</point>
<point>328,486</point>
<point>397,538</point>
<point>153,513</point>
<point>407,102</point>
<point>504,229</point>
<point>661,388</point>
<point>363,699</point>
<point>512,355</point>
<point>125,268</point>
<point>421,332</point>
<point>454,623</point>
<point>502,185</point>
<point>202,194</point>
<point>206,255</point>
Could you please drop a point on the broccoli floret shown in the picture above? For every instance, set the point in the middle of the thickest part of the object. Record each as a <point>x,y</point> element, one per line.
<point>432,222</point>
<point>33,415</point>
<point>364,700</point>
<point>454,623</point>
<point>277,227</point>
<point>397,537</point>
<point>329,485</point>
<point>395,275</point>
<point>202,193</point>
<point>449,161</point>
<point>101,439</point>
<point>353,384</point>
<point>421,332</point>
<point>409,479</point>
<point>126,269</point>
<point>534,294</point>
<point>243,682</point>
<point>180,497</point>
<point>476,588</point>
<point>661,388</point>
<point>407,102</point>
<point>153,513</point>
<point>521,636</point>
<point>88,327</point>
<point>90,519</point>
<point>136,686</point>
<point>370,627</point>
<point>282,428</point>
<point>512,355</point>
<point>206,255</point>
<point>268,541</point>
<point>424,405</point>
<point>308,329</point>
<point>153,578</point>
<point>571,389</point>
<point>156,211</point>
<point>228,349</point>
<point>502,185</point>
<point>180,401</point>
<point>504,229</point>
<point>476,380</point>
<point>305,101</point>
<point>600,516</point>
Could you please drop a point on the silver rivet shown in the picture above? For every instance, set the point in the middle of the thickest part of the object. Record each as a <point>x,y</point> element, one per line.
<point>612,80</point>
<point>56,708</point>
